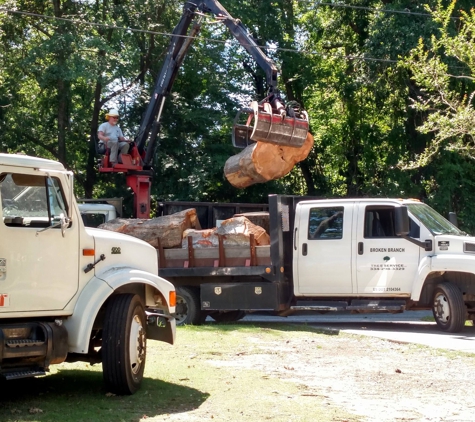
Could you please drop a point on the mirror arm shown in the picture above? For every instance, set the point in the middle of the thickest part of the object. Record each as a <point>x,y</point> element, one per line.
<point>427,244</point>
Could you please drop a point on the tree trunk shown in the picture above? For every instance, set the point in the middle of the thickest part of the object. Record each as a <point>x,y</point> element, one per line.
<point>262,162</point>
<point>62,85</point>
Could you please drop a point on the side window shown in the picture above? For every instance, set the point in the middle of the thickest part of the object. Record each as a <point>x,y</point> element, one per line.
<point>55,197</point>
<point>325,223</point>
<point>414,229</point>
<point>29,200</point>
<point>93,220</point>
<point>379,222</point>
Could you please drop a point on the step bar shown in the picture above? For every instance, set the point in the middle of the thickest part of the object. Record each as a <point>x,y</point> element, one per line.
<point>354,306</point>
<point>28,348</point>
<point>14,375</point>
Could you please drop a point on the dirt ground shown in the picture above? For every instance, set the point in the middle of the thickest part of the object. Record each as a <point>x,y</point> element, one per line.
<point>375,379</point>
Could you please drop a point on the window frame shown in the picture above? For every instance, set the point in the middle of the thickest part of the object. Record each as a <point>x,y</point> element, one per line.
<point>51,195</point>
<point>337,210</point>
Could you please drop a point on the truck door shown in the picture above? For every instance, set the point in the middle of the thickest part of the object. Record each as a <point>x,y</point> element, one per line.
<point>322,249</point>
<point>39,266</point>
<point>385,263</point>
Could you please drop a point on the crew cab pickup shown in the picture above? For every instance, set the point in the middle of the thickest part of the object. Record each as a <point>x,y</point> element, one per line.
<point>355,254</point>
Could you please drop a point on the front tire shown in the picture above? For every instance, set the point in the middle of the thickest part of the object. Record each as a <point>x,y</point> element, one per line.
<point>188,307</point>
<point>124,344</point>
<point>448,308</point>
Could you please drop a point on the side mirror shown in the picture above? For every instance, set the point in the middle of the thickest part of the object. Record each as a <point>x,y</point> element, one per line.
<point>64,221</point>
<point>453,218</point>
<point>401,221</point>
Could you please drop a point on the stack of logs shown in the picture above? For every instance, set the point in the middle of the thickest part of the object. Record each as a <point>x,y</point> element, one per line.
<point>183,230</point>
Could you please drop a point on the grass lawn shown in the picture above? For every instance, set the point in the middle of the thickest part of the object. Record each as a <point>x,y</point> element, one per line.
<point>182,383</point>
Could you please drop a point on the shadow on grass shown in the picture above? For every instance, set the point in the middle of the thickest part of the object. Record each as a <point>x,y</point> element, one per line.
<point>335,328</point>
<point>278,326</point>
<point>79,395</point>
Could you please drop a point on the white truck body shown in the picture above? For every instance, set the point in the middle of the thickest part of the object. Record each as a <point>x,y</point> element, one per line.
<point>62,282</point>
<point>363,254</point>
<point>360,255</point>
<point>336,255</point>
<point>352,262</point>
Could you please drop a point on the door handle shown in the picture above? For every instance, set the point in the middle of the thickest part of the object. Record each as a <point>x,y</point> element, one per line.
<point>304,249</point>
<point>360,248</point>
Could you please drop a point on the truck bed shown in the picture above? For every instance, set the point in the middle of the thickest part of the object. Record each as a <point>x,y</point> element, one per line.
<point>214,257</point>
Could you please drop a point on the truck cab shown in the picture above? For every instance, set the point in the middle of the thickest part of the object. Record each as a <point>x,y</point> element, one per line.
<point>95,214</point>
<point>354,248</point>
<point>68,292</point>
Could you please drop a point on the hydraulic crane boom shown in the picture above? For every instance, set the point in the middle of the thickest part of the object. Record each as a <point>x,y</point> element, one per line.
<point>268,121</point>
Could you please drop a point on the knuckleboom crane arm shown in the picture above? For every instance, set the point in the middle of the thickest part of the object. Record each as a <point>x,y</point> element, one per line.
<point>181,40</point>
<point>179,45</point>
<point>268,121</point>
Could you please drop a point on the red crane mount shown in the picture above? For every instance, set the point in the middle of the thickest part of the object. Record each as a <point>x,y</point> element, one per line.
<point>270,120</point>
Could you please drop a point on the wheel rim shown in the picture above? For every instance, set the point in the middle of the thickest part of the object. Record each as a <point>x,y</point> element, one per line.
<point>137,344</point>
<point>441,308</point>
<point>181,310</point>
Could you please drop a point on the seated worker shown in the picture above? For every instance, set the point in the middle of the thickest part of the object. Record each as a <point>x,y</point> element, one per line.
<point>112,136</point>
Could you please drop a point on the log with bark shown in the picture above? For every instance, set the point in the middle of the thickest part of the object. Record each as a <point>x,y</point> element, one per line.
<point>236,231</point>
<point>259,218</point>
<point>261,162</point>
<point>168,228</point>
<point>173,230</point>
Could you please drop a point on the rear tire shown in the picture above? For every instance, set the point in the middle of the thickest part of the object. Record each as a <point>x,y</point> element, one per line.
<point>230,316</point>
<point>448,308</point>
<point>124,344</point>
<point>188,307</point>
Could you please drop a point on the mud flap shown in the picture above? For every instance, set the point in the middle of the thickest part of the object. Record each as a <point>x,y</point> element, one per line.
<point>160,327</point>
<point>264,125</point>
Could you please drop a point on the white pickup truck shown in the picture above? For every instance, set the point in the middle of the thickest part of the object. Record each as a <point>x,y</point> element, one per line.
<point>68,292</point>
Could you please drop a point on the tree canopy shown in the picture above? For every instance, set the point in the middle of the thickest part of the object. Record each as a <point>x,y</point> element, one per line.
<point>388,86</point>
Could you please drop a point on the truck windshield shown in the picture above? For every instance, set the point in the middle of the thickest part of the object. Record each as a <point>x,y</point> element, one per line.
<point>433,220</point>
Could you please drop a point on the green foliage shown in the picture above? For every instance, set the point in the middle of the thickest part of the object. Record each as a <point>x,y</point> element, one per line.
<point>444,68</point>
<point>380,128</point>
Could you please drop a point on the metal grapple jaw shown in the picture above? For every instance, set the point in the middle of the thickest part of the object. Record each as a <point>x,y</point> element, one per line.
<point>279,125</point>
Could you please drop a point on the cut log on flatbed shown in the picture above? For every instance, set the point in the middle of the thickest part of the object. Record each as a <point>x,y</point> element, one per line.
<point>237,228</point>
<point>169,228</point>
<point>200,238</point>
<point>259,218</point>
<point>262,162</point>
<point>235,231</point>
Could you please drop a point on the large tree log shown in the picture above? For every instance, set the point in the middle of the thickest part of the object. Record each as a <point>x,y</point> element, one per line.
<point>239,229</point>
<point>259,218</point>
<point>169,228</point>
<point>236,231</point>
<point>261,162</point>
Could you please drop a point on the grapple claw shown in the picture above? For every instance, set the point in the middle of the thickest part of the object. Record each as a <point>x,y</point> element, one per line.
<point>264,124</point>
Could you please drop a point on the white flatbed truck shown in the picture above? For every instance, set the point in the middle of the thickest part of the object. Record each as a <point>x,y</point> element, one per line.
<point>360,255</point>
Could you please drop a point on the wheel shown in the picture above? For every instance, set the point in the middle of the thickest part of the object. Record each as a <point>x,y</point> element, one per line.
<point>124,344</point>
<point>230,316</point>
<point>448,307</point>
<point>188,307</point>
